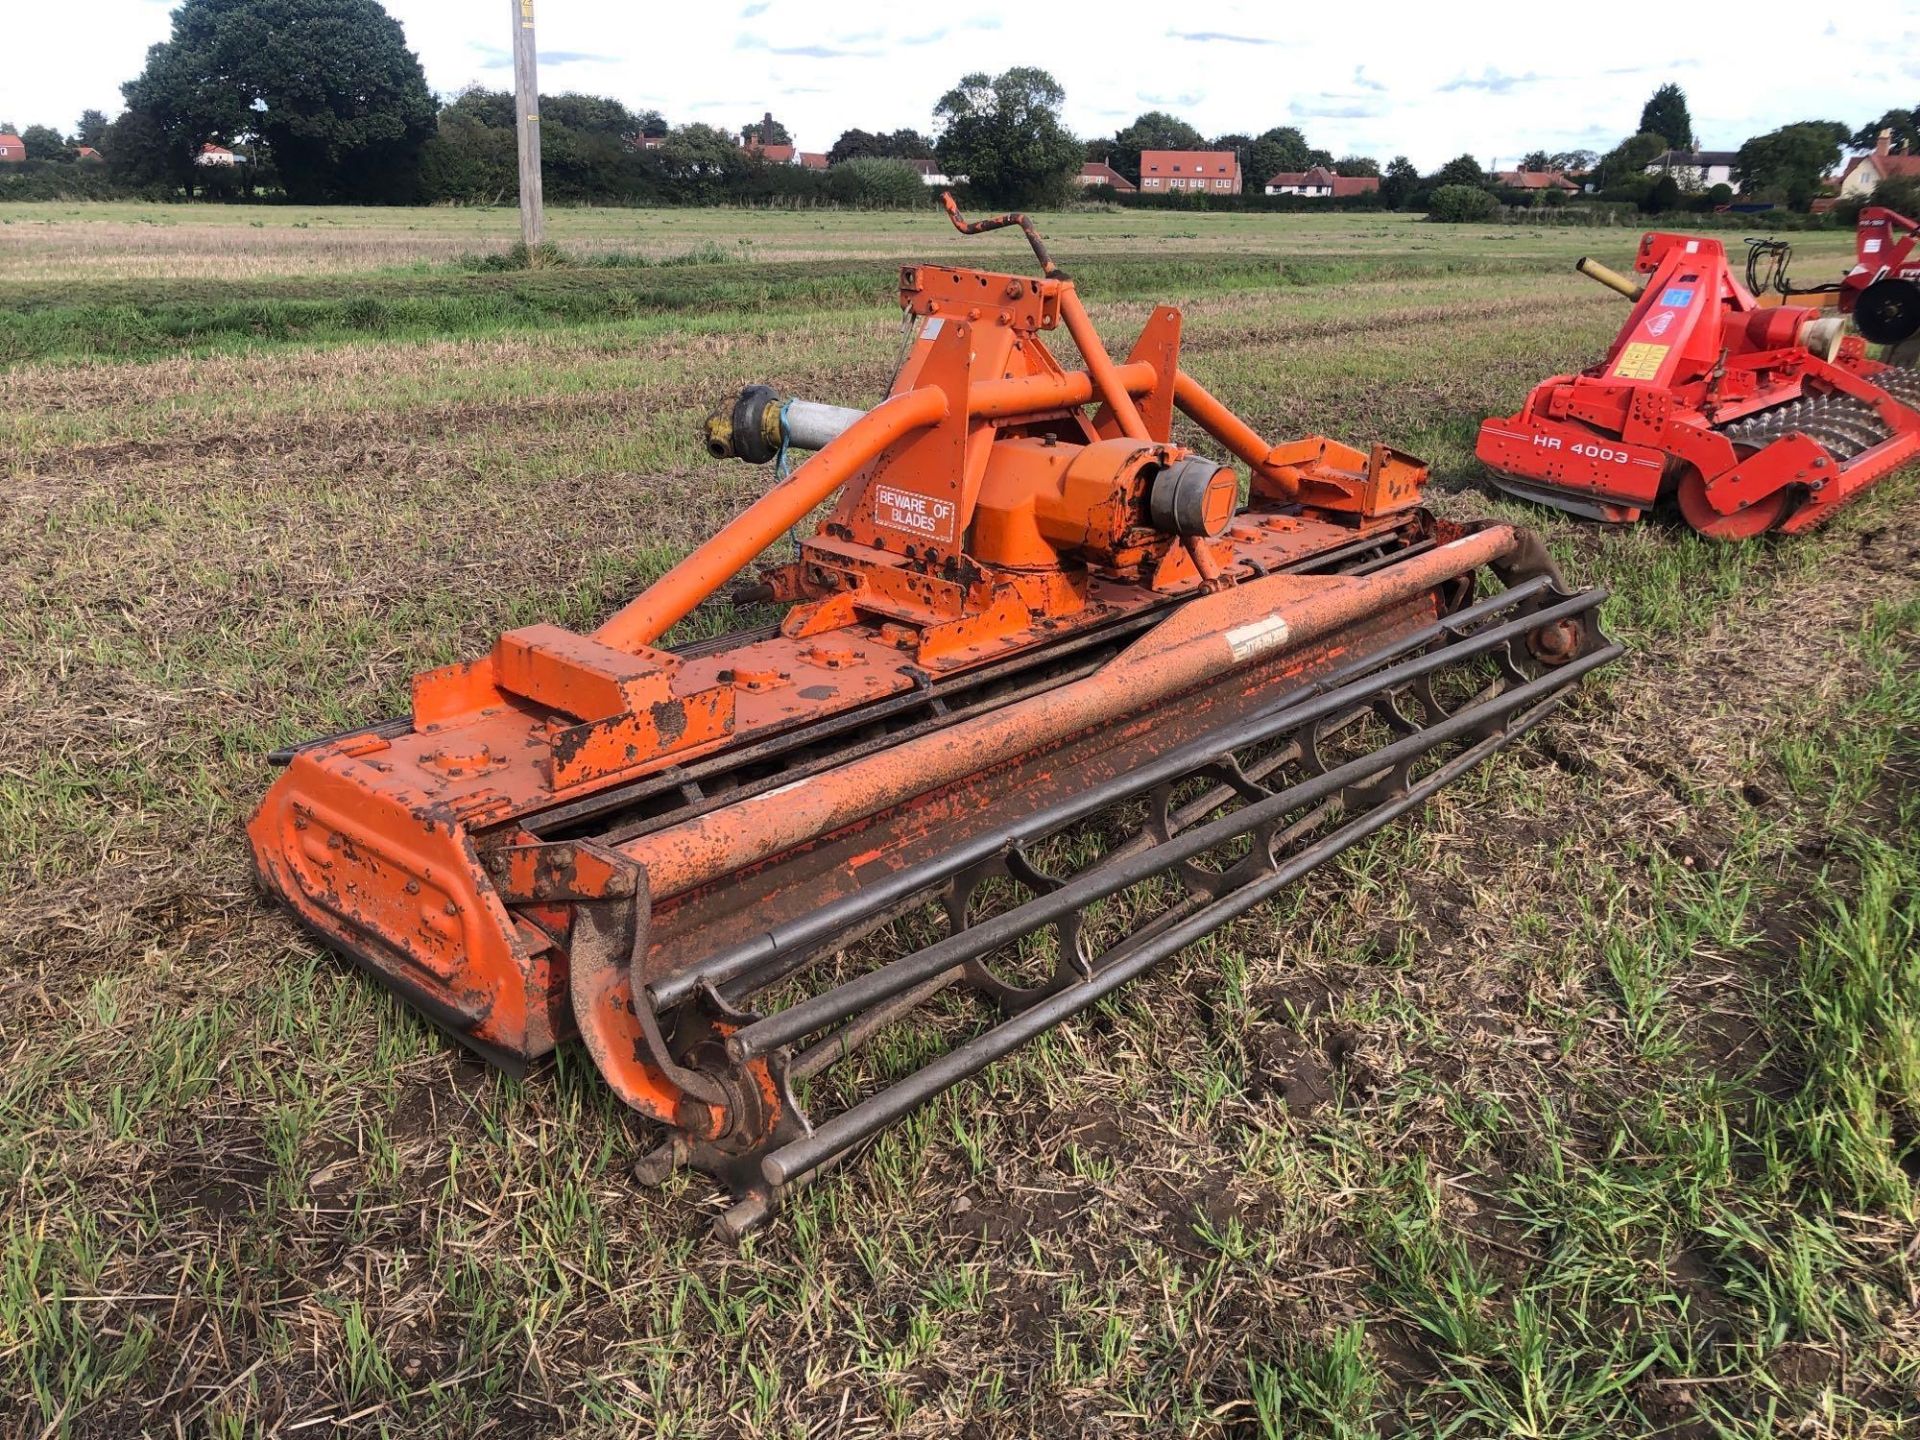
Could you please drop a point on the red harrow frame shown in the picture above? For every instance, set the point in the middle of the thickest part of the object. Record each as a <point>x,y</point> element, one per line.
<point>1751,417</point>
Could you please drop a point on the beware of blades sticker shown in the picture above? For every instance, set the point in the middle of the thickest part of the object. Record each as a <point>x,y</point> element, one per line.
<point>927,516</point>
<point>1640,361</point>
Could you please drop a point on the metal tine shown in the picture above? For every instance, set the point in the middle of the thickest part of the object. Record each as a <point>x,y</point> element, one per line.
<point>1325,696</point>
<point>799,1159</point>
<point>802,1018</point>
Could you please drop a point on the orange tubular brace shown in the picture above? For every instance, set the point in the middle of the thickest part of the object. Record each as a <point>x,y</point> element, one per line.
<point>676,594</point>
<point>1231,431</point>
<point>1030,394</point>
<point>1198,642</point>
<point>1100,365</point>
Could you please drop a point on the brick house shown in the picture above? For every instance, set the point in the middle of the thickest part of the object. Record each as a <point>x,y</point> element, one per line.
<point>1217,172</point>
<point>12,149</point>
<point>1098,172</point>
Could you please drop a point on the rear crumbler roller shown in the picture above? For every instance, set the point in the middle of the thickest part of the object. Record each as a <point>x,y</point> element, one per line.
<point>1183,846</point>
<point>1902,383</point>
<point>1846,426</point>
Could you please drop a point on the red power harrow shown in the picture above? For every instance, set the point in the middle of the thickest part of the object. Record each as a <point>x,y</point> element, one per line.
<point>1752,417</point>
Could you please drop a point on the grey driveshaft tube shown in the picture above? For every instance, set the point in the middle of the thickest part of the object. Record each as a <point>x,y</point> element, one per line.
<point>813,426</point>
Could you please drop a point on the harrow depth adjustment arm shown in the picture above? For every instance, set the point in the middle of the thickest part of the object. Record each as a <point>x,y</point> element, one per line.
<point>1079,324</point>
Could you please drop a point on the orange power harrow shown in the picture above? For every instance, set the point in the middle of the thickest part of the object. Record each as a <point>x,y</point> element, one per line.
<point>1046,703</point>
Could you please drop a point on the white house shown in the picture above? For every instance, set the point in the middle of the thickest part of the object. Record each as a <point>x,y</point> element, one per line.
<point>1321,184</point>
<point>1697,169</point>
<point>931,174</point>
<point>212,154</point>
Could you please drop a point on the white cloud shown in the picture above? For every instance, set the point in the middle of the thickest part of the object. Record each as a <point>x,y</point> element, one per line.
<point>1389,78</point>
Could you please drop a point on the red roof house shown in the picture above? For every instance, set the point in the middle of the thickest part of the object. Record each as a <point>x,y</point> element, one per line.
<point>1215,171</point>
<point>12,149</point>
<point>1535,180</point>
<point>87,152</point>
<point>1863,172</point>
<point>812,159</point>
<point>1320,183</point>
<point>1098,172</point>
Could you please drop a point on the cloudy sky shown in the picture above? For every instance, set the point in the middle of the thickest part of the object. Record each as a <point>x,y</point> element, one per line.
<point>1430,81</point>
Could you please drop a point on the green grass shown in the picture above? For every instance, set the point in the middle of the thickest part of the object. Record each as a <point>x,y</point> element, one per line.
<point>128,311</point>
<point>1584,1104</point>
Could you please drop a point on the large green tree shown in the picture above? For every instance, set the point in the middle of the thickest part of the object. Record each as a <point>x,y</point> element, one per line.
<point>1788,163</point>
<point>1004,133</point>
<point>92,129</point>
<point>1282,148</point>
<point>1155,130</point>
<point>879,145</point>
<point>1357,165</point>
<point>328,87</point>
<point>1629,159</point>
<point>1461,170</point>
<point>1400,181</point>
<point>1905,125</point>
<point>43,142</point>
<point>1665,114</point>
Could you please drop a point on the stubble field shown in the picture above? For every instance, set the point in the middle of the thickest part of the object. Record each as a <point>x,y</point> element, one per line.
<point>1584,1103</point>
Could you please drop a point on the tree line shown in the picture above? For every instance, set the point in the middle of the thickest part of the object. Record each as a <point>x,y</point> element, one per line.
<point>321,101</point>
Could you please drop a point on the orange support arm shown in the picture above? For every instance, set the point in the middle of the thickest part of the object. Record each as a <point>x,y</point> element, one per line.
<point>1003,399</point>
<point>675,595</point>
<point>1231,431</point>
<point>1106,380</point>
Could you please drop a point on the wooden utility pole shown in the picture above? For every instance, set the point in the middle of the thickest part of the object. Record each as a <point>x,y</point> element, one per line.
<point>526,92</point>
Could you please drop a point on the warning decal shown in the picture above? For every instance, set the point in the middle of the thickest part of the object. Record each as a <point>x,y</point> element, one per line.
<point>1641,361</point>
<point>927,516</point>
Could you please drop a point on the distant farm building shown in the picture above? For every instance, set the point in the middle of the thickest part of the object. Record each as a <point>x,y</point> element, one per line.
<point>1535,180</point>
<point>1320,183</point>
<point>1215,171</point>
<point>1862,174</point>
<point>1098,172</point>
<point>12,149</point>
<point>211,154</point>
<point>931,173</point>
<point>1697,169</point>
